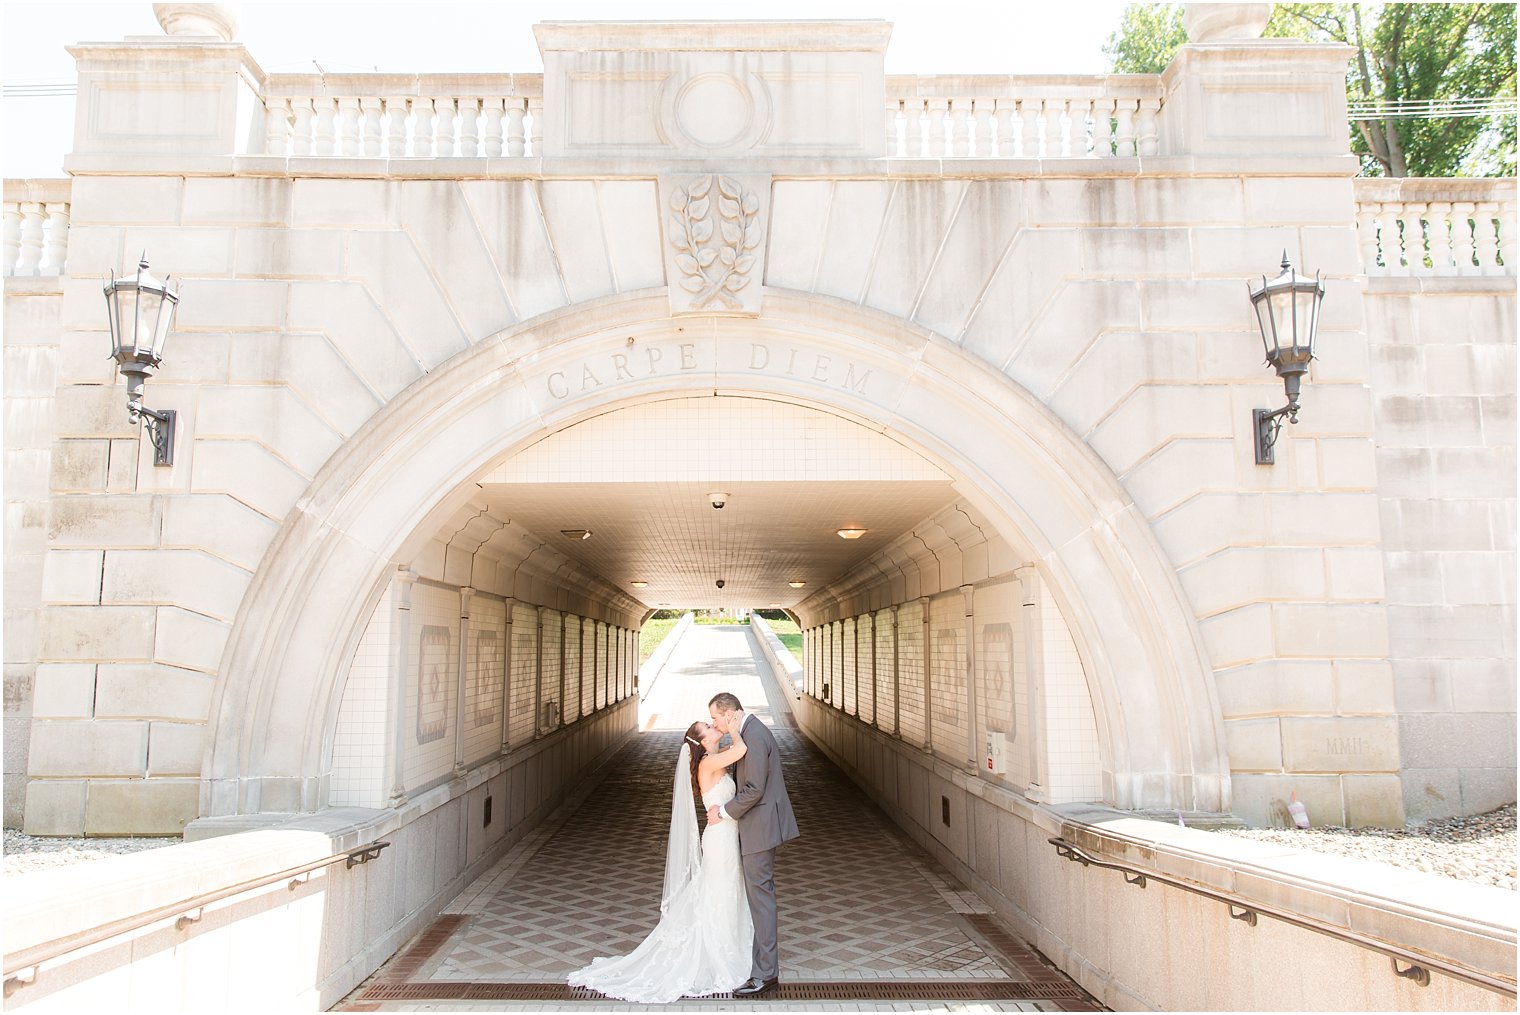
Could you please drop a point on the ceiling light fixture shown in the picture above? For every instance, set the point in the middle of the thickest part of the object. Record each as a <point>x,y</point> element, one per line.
<point>639,585</point>
<point>796,585</point>
<point>851,533</point>
<point>575,533</point>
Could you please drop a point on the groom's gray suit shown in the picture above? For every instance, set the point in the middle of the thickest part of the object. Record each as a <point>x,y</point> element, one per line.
<point>764,813</point>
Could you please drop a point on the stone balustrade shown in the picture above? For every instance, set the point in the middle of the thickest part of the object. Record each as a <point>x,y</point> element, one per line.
<point>36,226</point>
<point>1422,226</point>
<point>997,116</point>
<point>926,116</point>
<point>404,115</point>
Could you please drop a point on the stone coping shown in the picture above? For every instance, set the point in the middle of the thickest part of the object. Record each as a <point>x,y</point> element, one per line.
<point>57,903</point>
<point>648,167</point>
<point>1468,924</point>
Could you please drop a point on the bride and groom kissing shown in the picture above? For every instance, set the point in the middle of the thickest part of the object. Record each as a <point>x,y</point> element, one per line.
<point>717,929</point>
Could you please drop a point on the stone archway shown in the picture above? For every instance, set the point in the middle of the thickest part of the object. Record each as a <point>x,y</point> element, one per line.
<point>1047,492</point>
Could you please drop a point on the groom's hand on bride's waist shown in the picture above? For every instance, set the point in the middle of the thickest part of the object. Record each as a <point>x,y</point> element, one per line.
<point>714,815</point>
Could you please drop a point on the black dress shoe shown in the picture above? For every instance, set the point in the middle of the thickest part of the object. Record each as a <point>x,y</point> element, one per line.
<point>752,986</point>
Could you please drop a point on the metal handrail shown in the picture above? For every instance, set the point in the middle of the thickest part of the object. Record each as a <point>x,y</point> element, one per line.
<point>32,957</point>
<point>1418,966</point>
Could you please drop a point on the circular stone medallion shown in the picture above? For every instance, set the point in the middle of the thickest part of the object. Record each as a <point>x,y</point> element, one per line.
<point>714,110</point>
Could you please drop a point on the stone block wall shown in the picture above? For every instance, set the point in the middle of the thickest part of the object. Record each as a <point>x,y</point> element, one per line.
<point>1443,372</point>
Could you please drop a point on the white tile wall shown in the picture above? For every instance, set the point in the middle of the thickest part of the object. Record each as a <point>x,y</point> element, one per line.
<point>524,653</point>
<point>603,686</point>
<point>801,444</point>
<point>910,664</point>
<point>865,666</point>
<point>550,703</point>
<point>359,746</point>
<point>432,684</point>
<point>588,665</point>
<point>572,667</point>
<point>849,671</point>
<point>1002,679</point>
<point>884,667</point>
<point>947,633</point>
<point>488,658</point>
<point>1076,768</point>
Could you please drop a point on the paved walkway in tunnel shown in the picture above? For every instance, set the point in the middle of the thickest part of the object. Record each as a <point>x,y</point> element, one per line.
<point>868,921</point>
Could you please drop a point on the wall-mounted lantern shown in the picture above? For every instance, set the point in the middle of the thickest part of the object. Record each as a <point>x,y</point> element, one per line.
<point>1287,311</point>
<point>140,310</point>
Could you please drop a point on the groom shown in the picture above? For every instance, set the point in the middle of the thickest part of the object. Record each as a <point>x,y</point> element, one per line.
<point>764,813</point>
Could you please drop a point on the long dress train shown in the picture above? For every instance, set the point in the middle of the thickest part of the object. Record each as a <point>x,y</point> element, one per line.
<point>702,944</point>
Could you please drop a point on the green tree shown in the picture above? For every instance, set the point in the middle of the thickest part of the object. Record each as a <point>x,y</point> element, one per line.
<point>1416,52</point>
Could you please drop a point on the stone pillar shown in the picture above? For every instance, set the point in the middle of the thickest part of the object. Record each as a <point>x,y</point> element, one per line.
<point>538,672</point>
<point>896,681</point>
<point>181,99</point>
<point>395,712</point>
<point>1229,92</point>
<point>973,743</point>
<point>464,673</point>
<point>506,681</point>
<point>1038,753</point>
<point>562,681</point>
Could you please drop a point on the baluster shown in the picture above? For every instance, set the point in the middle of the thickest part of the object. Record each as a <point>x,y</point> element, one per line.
<point>1463,243</point>
<point>536,121</point>
<point>915,129</point>
<point>446,143</point>
<point>1103,128</point>
<point>1124,132</point>
<point>1440,237</point>
<point>1081,137</point>
<point>1411,238</point>
<point>889,127</point>
<point>937,110</point>
<point>31,238</point>
<point>1507,236</point>
<point>277,126</point>
<point>324,133</point>
<point>469,136</point>
<point>1007,144</point>
<point>515,110</point>
<point>1486,237</point>
<point>1029,132</point>
<point>300,139</point>
<point>1050,140</point>
<point>960,128</point>
<point>371,107</point>
<point>395,127</point>
<point>12,236</point>
<point>981,111</point>
<point>422,127</point>
<point>1367,238</point>
<point>494,112</point>
<point>348,126</point>
<point>1145,127</point>
<point>57,235</point>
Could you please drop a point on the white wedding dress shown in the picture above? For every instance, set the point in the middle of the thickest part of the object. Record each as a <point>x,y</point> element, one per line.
<point>703,941</point>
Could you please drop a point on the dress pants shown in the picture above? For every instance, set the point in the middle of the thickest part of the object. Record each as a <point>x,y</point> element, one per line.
<point>760,886</point>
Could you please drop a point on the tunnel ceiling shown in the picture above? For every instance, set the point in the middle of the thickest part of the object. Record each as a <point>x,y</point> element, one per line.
<point>640,479</point>
<point>768,534</point>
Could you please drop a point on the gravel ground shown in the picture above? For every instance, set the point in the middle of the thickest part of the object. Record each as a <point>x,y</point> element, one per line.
<point>1480,849</point>
<point>27,853</point>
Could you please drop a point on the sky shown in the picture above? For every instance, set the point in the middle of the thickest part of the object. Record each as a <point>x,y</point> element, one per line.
<point>928,37</point>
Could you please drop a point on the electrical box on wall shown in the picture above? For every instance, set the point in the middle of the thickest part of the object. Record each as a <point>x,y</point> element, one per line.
<point>994,762</point>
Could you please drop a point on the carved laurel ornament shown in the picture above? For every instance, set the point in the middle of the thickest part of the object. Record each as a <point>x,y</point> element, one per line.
<point>714,269</point>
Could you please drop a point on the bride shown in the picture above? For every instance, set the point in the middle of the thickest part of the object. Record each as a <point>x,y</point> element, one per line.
<point>702,942</point>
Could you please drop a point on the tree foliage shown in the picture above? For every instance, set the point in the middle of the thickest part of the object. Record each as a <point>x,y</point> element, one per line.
<point>1403,53</point>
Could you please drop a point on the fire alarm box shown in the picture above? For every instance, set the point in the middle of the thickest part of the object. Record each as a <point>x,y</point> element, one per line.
<point>994,762</point>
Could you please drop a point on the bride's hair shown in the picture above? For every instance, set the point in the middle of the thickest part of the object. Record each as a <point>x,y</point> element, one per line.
<point>698,752</point>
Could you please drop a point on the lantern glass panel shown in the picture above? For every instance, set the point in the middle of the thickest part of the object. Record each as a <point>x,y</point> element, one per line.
<point>1268,328</point>
<point>1307,316</point>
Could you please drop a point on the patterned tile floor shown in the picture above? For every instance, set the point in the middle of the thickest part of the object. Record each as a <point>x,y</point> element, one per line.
<point>858,902</point>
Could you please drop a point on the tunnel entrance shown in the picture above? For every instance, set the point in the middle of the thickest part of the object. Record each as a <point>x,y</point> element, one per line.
<point>409,496</point>
<point>864,914</point>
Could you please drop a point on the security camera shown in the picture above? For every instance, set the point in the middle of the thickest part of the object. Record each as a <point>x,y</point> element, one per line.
<point>718,500</point>
<point>721,582</point>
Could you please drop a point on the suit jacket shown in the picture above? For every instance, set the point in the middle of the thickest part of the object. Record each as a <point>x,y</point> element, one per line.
<point>760,805</point>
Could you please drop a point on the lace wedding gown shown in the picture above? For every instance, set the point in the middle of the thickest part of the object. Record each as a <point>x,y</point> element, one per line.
<point>702,944</point>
